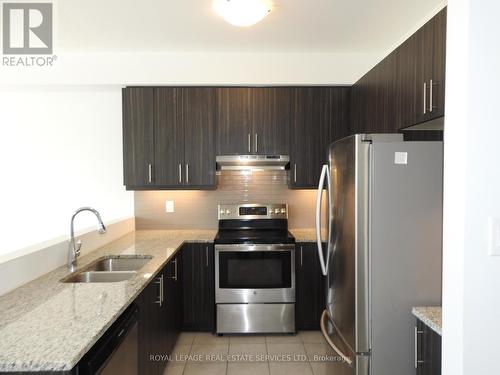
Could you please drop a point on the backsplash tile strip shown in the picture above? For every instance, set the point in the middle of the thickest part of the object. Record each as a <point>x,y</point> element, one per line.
<point>198,209</point>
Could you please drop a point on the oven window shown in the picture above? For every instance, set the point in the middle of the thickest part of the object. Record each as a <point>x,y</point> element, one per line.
<point>255,270</point>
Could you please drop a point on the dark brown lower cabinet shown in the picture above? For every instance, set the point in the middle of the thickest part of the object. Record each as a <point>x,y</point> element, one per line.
<point>428,353</point>
<point>310,287</point>
<point>160,311</point>
<point>198,286</point>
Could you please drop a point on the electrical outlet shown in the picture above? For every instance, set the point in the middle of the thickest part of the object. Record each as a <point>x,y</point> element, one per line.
<point>169,207</point>
<point>494,236</point>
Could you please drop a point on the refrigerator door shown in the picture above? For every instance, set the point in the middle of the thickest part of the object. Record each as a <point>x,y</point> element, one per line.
<point>347,300</point>
<point>405,246</point>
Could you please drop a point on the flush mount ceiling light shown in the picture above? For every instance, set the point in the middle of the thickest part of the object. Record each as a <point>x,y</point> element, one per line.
<point>242,12</point>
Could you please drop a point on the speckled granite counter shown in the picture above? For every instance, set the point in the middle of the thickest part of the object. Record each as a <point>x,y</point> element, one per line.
<point>430,316</point>
<point>47,325</point>
<point>304,235</point>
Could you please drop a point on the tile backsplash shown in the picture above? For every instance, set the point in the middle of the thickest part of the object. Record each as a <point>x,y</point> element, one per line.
<point>198,208</point>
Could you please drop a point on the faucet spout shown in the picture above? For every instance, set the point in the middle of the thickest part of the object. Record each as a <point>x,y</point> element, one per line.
<point>74,247</point>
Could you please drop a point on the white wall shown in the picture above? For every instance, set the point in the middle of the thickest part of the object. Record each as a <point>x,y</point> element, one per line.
<point>471,279</point>
<point>60,148</point>
<point>202,68</point>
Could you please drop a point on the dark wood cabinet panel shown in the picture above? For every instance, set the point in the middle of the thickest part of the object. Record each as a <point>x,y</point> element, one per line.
<point>439,63</point>
<point>199,105</point>
<point>138,135</point>
<point>169,137</point>
<point>310,287</point>
<point>160,315</point>
<point>320,116</point>
<point>150,328</point>
<point>188,126</point>
<point>271,113</point>
<point>198,287</point>
<point>397,92</point>
<point>428,350</point>
<point>408,88</point>
<point>234,130</point>
<point>172,303</point>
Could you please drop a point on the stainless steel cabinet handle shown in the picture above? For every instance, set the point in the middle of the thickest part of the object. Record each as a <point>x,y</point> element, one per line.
<point>256,142</point>
<point>180,173</point>
<point>295,173</point>
<point>175,269</point>
<point>162,289</point>
<point>425,98</point>
<point>187,173</point>
<point>206,254</point>
<point>150,173</point>
<point>160,296</point>
<point>249,141</point>
<point>430,95</point>
<point>301,256</point>
<point>417,361</point>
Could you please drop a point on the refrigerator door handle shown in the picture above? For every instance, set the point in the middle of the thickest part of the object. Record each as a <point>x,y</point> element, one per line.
<point>319,199</point>
<point>323,320</point>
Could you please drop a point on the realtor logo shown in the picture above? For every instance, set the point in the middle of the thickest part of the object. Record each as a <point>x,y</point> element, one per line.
<point>27,28</point>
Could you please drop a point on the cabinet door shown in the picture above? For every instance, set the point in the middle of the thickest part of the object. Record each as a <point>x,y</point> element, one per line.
<point>150,328</point>
<point>199,106</point>
<point>172,303</point>
<point>138,136</point>
<point>198,287</point>
<point>428,350</point>
<point>310,287</point>
<point>439,63</point>
<point>234,131</point>
<point>271,113</point>
<point>169,137</point>
<point>321,116</point>
<point>422,60</point>
<point>410,91</point>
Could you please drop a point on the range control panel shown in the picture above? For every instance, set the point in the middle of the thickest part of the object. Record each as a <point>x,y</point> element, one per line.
<point>253,211</point>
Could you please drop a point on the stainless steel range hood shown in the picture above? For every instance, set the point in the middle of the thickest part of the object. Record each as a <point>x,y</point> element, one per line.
<point>246,162</point>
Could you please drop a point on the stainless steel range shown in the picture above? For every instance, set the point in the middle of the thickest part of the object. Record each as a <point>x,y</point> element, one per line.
<point>254,270</point>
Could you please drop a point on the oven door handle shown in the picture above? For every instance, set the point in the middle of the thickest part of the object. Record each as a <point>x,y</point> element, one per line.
<point>254,248</point>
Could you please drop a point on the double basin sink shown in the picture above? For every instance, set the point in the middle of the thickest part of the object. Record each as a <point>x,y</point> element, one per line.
<point>108,270</point>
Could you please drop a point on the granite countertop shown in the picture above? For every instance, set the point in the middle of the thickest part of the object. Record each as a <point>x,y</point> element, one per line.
<point>304,234</point>
<point>47,325</point>
<point>431,316</point>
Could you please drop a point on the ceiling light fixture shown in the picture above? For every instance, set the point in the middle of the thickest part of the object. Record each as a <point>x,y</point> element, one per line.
<point>242,12</point>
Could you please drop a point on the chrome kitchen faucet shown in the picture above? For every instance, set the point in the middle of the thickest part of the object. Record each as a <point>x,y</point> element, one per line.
<point>74,247</point>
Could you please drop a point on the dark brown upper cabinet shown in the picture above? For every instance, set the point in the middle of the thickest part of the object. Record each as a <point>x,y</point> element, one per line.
<point>253,120</point>
<point>320,116</point>
<point>271,115</point>
<point>169,138</point>
<point>138,136</point>
<point>423,60</point>
<point>199,109</point>
<point>234,130</point>
<point>407,87</point>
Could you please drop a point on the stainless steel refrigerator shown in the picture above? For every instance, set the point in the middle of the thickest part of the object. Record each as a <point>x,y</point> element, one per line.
<point>382,227</point>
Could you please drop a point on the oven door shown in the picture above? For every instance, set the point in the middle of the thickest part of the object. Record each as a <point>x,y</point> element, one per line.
<point>255,273</point>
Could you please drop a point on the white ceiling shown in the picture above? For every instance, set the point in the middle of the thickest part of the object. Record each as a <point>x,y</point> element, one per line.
<point>326,26</point>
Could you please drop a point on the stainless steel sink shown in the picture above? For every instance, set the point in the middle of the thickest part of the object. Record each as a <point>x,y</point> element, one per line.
<point>118,264</point>
<point>108,270</point>
<point>99,277</point>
